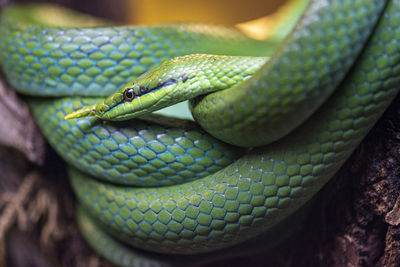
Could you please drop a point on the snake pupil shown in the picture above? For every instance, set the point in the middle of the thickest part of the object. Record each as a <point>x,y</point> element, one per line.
<point>129,94</point>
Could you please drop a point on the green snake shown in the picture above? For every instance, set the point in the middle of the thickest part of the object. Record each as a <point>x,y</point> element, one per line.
<point>170,186</point>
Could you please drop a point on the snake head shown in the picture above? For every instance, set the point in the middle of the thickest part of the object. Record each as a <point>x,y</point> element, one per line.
<point>148,92</point>
<point>132,102</point>
<point>129,102</point>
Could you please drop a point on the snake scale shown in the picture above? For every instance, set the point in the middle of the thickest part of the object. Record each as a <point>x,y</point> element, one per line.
<point>170,186</point>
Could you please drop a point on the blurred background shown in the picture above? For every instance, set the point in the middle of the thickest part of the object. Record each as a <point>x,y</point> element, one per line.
<point>156,11</point>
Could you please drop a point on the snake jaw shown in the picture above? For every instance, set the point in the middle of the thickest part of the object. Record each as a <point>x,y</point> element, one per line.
<point>115,109</point>
<point>83,112</point>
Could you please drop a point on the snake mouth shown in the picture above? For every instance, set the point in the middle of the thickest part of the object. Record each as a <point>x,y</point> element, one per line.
<point>144,104</point>
<point>116,108</point>
<point>97,110</point>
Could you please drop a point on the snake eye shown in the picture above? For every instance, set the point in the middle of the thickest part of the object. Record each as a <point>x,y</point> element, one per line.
<point>129,94</point>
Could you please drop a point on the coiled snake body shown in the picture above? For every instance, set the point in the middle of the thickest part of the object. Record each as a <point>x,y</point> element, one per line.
<point>342,59</point>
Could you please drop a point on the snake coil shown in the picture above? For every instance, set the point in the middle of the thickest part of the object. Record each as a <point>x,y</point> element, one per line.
<point>340,67</point>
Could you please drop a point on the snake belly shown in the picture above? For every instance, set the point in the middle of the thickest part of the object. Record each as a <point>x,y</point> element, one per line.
<point>346,46</point>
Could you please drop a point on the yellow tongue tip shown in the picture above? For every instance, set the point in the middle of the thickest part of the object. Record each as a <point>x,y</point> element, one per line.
<point>83,112</point>
<point>72,115</point>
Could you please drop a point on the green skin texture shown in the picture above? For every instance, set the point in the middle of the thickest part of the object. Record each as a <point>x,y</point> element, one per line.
<point>346,46</point>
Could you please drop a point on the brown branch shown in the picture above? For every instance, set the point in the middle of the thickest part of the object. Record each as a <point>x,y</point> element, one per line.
<point>17,127</point>
<point>45,205</point>
<point>13,210</point>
